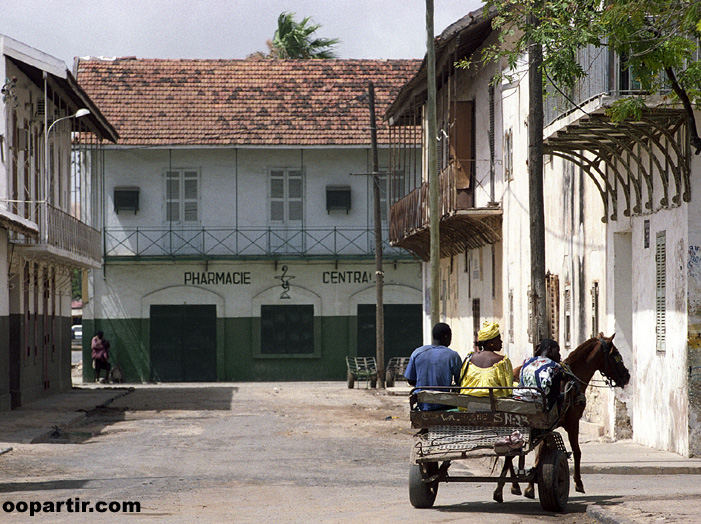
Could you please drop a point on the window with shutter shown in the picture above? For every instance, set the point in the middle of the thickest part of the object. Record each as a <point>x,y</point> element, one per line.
<point>568,316</point>
<point>661,290</point>
<point>552,288</point>
<point>595,309</point>
<point>182,196</point>
<point>508,156</point>
<point>286,196</point>
<point>286,192</point>
<point>511,316</point>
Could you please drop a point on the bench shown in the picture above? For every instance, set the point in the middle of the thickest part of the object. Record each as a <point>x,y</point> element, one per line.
<point>395,370</point>
<point>362,368</point>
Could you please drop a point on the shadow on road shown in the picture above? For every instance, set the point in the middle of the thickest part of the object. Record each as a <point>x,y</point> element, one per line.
<point>165,398</point>
<point>527,507</point>
<point>12,487</point>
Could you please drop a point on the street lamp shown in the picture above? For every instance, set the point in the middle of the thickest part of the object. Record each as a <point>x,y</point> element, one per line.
<point>81,112</point>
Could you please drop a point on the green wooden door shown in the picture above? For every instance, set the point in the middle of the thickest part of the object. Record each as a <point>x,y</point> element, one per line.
<point>183,343</point>
<point>403,330</point>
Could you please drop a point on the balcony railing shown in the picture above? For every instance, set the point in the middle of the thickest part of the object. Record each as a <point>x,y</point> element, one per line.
<point>412,212</point>
<point>604,77</point>
<point>253,243</point>
<point>63,232</point>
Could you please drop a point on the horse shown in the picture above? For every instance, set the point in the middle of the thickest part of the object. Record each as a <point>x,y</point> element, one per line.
<point>596,354</point>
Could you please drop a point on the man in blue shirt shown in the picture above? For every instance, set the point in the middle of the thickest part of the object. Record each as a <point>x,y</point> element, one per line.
<point>434,365</point>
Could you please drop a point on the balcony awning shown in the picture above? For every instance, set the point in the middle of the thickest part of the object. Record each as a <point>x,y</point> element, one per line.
<point>464,229</point>
<point>630,157</point>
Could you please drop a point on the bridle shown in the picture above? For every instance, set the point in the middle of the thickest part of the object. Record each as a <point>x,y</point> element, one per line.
<point>610,362</point>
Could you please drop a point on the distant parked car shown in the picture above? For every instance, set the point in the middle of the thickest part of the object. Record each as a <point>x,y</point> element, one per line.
<point>77,332</point>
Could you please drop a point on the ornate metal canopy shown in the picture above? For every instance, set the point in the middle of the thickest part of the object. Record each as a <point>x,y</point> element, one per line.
<point>632,157</point>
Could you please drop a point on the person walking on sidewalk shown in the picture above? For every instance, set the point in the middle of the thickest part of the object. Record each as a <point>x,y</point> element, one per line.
<point>100,356</point>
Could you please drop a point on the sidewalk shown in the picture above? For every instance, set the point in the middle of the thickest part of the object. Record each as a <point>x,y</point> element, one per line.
<point>35,422</point>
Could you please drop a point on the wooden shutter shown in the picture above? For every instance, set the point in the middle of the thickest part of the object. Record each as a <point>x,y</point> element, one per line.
<point>661,290</point>
<point>552,293</point>
<point>461,143</point>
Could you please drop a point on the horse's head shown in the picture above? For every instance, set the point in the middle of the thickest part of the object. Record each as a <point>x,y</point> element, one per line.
<point>613,369</point>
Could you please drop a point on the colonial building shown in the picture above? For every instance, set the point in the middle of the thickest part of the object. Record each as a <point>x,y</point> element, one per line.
<point>50,212</point>
<point>239,239</point>
<point>621,226</point>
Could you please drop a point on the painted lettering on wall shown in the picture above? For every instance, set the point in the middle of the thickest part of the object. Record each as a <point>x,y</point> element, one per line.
<point>347,277</point>
<point>213,278</point>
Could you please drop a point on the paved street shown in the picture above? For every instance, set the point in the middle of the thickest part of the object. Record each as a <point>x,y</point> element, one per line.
<point>284,453</point>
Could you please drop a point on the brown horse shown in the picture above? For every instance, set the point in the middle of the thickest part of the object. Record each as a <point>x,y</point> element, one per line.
<point>596,354</point>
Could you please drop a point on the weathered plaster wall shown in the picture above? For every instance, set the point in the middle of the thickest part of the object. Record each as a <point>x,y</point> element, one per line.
<point>693,364</point>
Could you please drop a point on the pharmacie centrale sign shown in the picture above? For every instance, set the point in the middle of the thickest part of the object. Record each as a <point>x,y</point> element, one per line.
<point>235,278</point>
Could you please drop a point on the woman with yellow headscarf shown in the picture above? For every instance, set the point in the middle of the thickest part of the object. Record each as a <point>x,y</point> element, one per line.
<point>486,368</point>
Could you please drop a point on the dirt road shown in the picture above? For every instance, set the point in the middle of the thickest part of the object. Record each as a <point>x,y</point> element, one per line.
<point>245,453</point>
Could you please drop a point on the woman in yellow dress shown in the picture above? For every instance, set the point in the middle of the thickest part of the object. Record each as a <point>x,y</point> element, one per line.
<point>485,367</point>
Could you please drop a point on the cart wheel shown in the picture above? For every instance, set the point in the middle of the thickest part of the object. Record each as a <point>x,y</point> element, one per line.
<point>554,481</point>
<point>389,379</point>
<point>351,381</point>
<point>422,494</point>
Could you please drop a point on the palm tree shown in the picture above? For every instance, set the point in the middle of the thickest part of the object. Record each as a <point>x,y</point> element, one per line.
<point>294,39</point>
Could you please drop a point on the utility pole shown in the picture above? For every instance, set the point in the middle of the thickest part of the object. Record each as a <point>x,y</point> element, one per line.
<point>434,215</point>
<point>379,273</point>
<point>535,185</point>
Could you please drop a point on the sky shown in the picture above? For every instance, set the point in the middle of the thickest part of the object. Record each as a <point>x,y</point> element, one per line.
<point>67,29</point>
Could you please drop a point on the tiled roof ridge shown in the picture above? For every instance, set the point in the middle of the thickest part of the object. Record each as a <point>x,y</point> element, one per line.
<point>248,60</point>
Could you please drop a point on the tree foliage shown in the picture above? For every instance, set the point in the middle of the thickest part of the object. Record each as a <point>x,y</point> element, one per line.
<point>657,39</point>
<point>296,40</point>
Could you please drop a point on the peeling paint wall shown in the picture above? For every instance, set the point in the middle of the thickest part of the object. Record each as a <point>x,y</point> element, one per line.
<point>694,346</point>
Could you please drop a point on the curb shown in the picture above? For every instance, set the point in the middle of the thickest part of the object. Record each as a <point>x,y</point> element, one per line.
<point>605,516</point>
<point>641,470</point>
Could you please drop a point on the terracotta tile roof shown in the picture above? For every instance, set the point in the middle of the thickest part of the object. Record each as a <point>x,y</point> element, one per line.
<point>242,102</point>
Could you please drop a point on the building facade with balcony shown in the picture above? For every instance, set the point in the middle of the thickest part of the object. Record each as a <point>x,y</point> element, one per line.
<point>471,185</point>
<point>643,175</point>
<point>50,214</point>
<point>239,238</point>
<point>621,227</point>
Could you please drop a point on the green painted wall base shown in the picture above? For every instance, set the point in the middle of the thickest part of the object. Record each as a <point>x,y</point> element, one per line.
<point>237,359</point>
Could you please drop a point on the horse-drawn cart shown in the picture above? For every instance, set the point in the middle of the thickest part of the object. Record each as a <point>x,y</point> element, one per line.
<point>486,427</point>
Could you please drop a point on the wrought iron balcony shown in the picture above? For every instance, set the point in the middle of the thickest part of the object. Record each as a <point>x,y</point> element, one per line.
<point>62,236</point>
<point>246,243</point>
<point>461,225</point>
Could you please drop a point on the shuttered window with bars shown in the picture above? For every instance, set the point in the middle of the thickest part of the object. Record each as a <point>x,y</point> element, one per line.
<point>567,336</point>
<point>661,290</point>
<point>511,316</point>
<point>552,296</point>
<point>595,310</point>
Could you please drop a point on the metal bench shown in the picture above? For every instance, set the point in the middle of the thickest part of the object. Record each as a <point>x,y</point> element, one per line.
<point>395,370</point>
<point>362,368</point>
